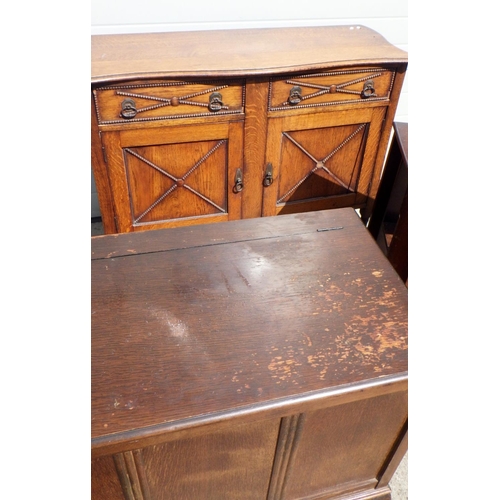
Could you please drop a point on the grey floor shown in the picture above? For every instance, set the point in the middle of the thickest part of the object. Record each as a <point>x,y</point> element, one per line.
<point>96,228</point>
<point>399,482</point>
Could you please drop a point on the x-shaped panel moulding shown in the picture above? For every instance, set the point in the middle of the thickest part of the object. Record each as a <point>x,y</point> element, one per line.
<point>213,105</point>
<point>320,163</point>
<point>339,87</point>
<point>331,88</point>
<point>178,182</point>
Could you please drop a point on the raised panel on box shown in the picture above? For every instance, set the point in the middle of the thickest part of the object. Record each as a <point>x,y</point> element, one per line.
<point>235,462</point>
<point>165,100</point>
<point>320,161</point>
<point>175,176</point>
<point>338,450</point>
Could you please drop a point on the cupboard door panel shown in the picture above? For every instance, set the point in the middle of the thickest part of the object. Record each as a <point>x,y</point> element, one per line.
<point>176,177</point>
<point>177,180</point>
<point>320,162</point>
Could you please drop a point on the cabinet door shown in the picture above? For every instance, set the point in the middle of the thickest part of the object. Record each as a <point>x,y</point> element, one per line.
<point>173,176</point>
<point>320,161</point>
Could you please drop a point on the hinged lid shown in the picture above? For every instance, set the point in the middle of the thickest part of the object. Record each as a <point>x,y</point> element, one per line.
<point>193,324</point>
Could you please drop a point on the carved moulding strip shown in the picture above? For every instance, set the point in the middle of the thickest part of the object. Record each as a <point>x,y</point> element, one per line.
<point>288,439</point>
<point>130,469</point>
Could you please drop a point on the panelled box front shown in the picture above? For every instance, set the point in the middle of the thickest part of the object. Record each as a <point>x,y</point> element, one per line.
<point>320,454</point>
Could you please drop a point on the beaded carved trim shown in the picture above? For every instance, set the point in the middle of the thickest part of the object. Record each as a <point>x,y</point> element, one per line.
<point>175,117</point>
<point>180,182</point>
<point>122,90</point>
<point>324,89</point>
<point>320,163</point>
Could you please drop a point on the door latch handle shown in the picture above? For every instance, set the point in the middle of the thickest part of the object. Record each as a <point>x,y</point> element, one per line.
<point>268,177</point>
<point>238,181</point>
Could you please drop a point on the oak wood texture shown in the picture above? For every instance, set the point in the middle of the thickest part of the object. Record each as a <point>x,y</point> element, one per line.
<point>304,125</point>
<point>258,358</point>
<point>237,52</point>
<point>101,176</point>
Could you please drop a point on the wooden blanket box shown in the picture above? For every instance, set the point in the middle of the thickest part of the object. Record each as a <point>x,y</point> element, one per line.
<point>263,358</point>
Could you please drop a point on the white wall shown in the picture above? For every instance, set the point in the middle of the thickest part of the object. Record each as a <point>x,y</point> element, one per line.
<point>388,17</point>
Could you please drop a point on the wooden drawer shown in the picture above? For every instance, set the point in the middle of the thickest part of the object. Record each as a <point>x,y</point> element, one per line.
<point>163,100</point>
<point>345,86</point>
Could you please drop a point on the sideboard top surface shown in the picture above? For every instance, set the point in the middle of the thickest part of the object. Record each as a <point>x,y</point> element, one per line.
<point>261,51</point>
<point>212,319</point>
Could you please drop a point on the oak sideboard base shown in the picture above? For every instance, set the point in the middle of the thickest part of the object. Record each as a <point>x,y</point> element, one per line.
<point>212,126</point>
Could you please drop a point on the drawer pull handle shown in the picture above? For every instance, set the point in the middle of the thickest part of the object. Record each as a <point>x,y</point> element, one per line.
<point>215,102</point>
<point>128,108</point>
<point>295,95</point>
<point>238,181</point>
<point>368,90</point>
<point>268,178</point>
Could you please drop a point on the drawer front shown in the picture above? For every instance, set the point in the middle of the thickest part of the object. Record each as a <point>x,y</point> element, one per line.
<point>164,100</point>
<point>349,86</point>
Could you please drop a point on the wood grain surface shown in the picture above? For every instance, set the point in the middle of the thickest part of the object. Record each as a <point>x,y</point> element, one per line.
<point>249,52</point>
<point>212,320</point>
